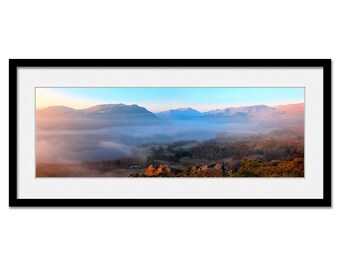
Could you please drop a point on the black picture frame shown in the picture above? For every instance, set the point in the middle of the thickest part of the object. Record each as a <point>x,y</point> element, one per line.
<point>14,64</point>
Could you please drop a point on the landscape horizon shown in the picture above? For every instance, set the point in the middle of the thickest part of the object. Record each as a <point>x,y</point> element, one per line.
<point>160,112</point>
<point>127,139</point>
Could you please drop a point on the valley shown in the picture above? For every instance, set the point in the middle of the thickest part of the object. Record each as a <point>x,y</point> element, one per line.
<point>263,143</point>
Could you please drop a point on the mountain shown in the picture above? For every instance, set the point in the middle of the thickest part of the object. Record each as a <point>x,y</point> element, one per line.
<point>285,114</point>
<point>244,114</point>
<point>238,114</point>
<point>117,109</point>
<point>99,116</point>
<point>250,111</point>
<point>180,114</point>
<point>57,110</point>
<point>109,115</point>
<point>263,114</point>
<point>291,108</point>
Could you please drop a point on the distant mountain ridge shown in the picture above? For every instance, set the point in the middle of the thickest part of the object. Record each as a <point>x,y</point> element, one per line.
<point>117,108</point>
<point>179,114</point>
<point>250,110</point>
<point>99,116</point>
<point>257,113</point>
<point>57,109</point>
<point>107,115</point>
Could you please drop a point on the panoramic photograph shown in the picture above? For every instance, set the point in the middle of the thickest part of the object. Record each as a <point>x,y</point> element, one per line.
<point>169,132</point>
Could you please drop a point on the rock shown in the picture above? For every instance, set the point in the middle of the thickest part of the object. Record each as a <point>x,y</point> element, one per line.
<point>161,170</point>
<point>218,167</point>
<point>194,168</point>
<point>151,170</point>
<point>204,168</point>
<point>211,170</point>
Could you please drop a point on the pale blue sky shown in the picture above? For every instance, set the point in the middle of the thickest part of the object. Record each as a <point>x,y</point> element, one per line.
<point>160,99</point>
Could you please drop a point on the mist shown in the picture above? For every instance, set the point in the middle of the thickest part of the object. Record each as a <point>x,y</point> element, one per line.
<point>118,140</point>
<point>73,146</point>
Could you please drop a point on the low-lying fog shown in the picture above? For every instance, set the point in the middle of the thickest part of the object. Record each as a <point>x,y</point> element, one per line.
<point>68,146</point>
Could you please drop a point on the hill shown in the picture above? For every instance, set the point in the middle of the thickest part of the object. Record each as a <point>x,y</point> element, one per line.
<point>99,116</point>
<point>180,114</point>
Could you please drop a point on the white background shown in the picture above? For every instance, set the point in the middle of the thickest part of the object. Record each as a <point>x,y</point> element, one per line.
<point>168,238</point>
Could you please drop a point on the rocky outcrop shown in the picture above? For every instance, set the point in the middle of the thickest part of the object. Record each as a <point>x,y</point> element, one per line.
<point>154,170</point>
<point>212,170</point>
<point>158,171</point>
